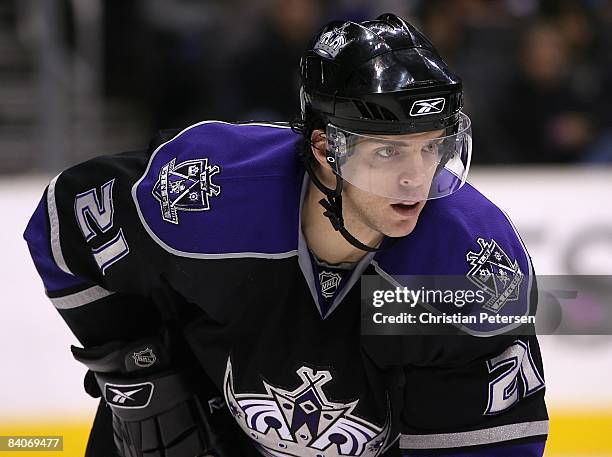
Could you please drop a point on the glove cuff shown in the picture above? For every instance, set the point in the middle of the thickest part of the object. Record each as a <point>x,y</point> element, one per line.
<point>124,358</point>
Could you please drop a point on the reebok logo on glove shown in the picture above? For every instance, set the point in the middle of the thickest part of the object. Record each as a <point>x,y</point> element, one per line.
<point>128,395</point>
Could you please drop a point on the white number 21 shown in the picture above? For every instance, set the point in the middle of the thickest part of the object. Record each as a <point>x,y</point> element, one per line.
<point>504,389</point>
<point>88,207</point>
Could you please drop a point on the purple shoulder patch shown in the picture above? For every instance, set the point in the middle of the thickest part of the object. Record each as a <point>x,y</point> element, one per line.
<point>223,190</point>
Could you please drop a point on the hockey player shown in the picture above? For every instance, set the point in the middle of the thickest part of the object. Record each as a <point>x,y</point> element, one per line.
<point>218,305</point>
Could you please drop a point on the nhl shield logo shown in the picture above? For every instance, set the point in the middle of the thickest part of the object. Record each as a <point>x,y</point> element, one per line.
<point>495,273</point>
<point>329,283</point>
<point>187,186</point>
<point>331,43</point>
<point>145,358</point>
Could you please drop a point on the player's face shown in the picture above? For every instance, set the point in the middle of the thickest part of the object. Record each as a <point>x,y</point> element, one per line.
<point>399,165</point>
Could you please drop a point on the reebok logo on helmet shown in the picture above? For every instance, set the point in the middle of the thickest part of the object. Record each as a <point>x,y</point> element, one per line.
<point>429,106</point>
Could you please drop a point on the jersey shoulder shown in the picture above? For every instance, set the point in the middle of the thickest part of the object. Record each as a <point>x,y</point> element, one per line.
<point>220,190</point>
<point>457,235</point>
<point>464,245</point>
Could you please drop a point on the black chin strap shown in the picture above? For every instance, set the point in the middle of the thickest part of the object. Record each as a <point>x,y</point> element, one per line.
<point>332,203</point>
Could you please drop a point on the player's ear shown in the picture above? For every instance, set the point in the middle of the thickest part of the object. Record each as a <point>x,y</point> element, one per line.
<point>318,144</point>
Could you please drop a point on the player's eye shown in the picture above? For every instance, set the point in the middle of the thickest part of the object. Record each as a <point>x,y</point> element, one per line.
<point>429,148</point>
<point>386,152</point>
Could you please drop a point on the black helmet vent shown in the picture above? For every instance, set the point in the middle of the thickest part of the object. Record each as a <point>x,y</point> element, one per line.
<point>387,115</point>
<point>363,110</point>
<point>372,111</point>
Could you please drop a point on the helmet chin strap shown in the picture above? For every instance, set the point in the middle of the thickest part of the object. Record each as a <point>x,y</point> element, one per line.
<point>332,203</point>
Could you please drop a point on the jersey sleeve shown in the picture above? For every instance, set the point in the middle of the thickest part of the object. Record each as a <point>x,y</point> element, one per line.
<point>87,247</point>
<point>490,405</point>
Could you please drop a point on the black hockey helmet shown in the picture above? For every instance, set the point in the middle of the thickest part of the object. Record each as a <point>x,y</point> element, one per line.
<point>380,76</point>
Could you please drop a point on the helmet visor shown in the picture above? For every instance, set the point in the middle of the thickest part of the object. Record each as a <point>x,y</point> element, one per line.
<point>408,167</point>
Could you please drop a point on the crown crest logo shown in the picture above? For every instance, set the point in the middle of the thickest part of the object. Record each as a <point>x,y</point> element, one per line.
<point>304,421</point>
<point>331,43</point>
<point>494,272</point>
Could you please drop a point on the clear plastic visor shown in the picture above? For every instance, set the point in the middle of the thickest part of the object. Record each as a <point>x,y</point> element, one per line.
<point>408,167</point>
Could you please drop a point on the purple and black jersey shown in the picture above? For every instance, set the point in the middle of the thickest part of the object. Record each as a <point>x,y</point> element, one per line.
<point>206,227</point>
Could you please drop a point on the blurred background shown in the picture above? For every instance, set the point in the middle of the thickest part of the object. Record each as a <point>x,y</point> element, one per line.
<point>84,77</point>
<point>80,78</point>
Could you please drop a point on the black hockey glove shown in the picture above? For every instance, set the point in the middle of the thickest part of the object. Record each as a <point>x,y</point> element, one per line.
<point>156,409</point>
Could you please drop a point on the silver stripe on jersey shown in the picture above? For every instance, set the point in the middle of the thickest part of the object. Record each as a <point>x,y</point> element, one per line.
<point>81,298</point>
<point>56,247</point>
<point>474,438</point>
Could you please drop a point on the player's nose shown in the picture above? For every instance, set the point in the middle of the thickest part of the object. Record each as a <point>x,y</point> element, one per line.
<point>411,179</point>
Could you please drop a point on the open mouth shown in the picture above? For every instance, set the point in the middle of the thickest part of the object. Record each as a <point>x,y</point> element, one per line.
<point>405,208</point>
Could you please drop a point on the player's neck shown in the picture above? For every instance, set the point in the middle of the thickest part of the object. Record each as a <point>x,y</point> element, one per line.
<point>326,243</point>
